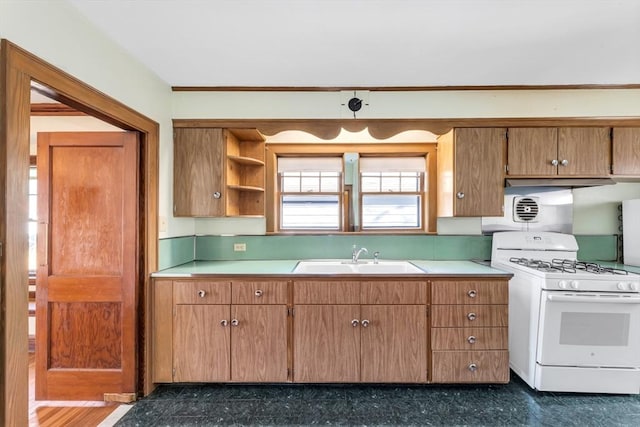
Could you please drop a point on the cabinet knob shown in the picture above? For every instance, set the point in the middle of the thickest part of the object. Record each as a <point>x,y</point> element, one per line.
<point>365,323</point>
<point>564,162</point>
<point>471,339</point>
<point>235,322</point>
<point>554,162</point>
<point>355,323</point>
<point>472,367</point>
<point>224,322</point>
<point>202,293</point>
<point>258,293</point>
<point>460,195</point>
<point>472,293</point>
<point>471,316</point>
<point>217,195</point>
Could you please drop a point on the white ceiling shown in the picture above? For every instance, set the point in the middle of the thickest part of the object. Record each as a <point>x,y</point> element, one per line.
<point>370,43</point>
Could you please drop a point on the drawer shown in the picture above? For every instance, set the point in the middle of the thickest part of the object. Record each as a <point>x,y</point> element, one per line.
<point>259,292</point>
<point>326,292</point>
<point>383,292</point>
<point>469,315</point>
<point>470,367</point>
<point>201,292</point>
<point>469,338</point>
<point>470,292</point>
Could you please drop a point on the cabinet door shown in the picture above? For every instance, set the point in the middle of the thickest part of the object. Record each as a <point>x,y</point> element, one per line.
<point>394,343</point>
<point>201,343</point>
<point>326,344</point>
<point>479,171</point>
<point>198,182</point>
<point>259,343</point>
<point>626,151</point>
<point>584,151</point>
<point>531,151</point>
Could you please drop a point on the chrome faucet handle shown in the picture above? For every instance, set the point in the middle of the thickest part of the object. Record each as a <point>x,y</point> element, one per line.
<point>375,257</point>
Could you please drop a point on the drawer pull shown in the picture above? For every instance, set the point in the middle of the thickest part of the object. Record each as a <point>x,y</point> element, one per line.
<point>258,293</point>
<point>224,322</point>
<point>355,323</point>
<point>235,322</point>
<point>202,293</point>
<point>365,323</point>
<point>471,316</point>
<point>472,293</point>
<point>471,339</point>
<point>472,367</point>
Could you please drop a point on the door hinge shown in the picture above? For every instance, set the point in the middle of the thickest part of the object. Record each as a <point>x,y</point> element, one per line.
<point>610,171</point>
<point>506,134</point>
<point>290,312</point>
<point>506,168</point>
<point>427,310</point>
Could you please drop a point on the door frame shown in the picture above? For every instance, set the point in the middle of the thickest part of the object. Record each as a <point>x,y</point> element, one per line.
<point>18,68</point>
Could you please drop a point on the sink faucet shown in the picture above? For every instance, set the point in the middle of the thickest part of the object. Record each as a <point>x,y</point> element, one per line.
<point>356,253</point>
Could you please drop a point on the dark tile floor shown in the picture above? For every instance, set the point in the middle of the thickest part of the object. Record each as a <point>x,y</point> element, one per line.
<point>513,404</point>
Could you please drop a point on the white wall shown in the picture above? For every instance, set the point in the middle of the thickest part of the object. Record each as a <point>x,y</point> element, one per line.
<point>54,31</point>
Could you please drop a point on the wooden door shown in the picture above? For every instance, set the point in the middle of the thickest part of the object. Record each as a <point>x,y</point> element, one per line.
<point>86,295</point>
<point>394,343</point>
<point>479,171</point>
<point>326,344</point>
<point>587,151</point>
<point>531,151</point>
<point>198,172</point>
<point>626,151</point>
<point>259,343</point>
<point>201,343</point>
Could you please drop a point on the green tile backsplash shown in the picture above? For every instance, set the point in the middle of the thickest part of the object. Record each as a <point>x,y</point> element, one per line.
<point>179,250</point>
<point>175,251</point>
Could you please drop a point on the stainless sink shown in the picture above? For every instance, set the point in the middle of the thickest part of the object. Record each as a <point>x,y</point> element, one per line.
<point>347,267</point>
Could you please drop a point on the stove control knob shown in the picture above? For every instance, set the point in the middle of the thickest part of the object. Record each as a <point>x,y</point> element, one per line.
<point>633,286</point>
<point>574,284</point>
<point>562,284</point>
<point>621,286</point>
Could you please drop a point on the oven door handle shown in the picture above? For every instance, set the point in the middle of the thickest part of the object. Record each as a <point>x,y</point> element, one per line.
<point>596,299</point>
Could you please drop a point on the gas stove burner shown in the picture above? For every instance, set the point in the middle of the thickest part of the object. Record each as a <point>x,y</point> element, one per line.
<point>589,267</point>
<point>546,266</point>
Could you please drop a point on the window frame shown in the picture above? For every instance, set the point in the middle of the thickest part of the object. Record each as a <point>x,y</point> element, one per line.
<point>339,194</point>
<point>420,193</point>
<point>414,149</point>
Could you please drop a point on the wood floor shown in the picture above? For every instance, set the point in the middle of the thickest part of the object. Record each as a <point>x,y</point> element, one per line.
<point>64,413</point>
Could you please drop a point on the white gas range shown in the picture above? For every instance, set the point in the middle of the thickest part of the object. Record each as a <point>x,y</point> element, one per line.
<point>573,326</point>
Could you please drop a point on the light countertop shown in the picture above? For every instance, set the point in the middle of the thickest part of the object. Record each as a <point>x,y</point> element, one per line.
<point>285,267</point>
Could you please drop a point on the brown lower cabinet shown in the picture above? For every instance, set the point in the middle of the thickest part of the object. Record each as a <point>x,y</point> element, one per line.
<point>331,331</point>
<point>469,331</point>
<point>214,340</point>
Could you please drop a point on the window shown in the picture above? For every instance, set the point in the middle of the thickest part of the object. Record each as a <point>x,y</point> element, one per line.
<point>342,187</point>
<point>33,215</point>
<point>310,193</point>
<point>392,192</point>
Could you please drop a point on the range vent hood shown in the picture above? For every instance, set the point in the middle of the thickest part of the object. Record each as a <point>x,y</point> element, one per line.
<point>558,182</point>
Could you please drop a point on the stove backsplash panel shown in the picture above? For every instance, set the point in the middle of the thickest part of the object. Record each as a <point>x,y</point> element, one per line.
<point>534,209</point>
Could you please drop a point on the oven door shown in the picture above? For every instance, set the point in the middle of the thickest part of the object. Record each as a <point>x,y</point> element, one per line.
<point>589,329</point>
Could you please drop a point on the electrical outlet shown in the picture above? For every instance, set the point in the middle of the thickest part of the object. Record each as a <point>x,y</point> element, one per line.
<point>239,247</point>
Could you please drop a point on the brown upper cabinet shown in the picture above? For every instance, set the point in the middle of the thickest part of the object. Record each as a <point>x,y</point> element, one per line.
<point>626,151</point>
<point>471,164</point>
<point>218,172</point>
<point>569,151</point>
